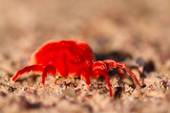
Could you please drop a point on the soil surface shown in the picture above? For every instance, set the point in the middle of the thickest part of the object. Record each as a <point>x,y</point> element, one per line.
<point>133,32</point>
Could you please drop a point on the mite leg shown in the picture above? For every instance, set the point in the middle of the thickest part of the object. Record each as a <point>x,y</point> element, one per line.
<point>121,73</point>
<point>26,69</point>
<point>105,75</point>
<point>101,69</point>
<point>86,76</point>
<point>47,69</point>
<point>133,76</point>
<point>107,80</point>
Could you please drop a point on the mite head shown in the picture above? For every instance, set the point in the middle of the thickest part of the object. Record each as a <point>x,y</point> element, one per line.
<point>98,67</point>
<point>113,64</point>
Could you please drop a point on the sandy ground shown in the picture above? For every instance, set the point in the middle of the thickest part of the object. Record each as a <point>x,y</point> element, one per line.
<point>138,31</point>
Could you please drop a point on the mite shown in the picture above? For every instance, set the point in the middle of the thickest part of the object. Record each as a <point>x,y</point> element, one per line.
<point>71,57</point>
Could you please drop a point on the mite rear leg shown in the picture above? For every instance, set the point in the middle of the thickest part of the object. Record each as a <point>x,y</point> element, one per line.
<point>48,69</point>
<point>19,73</point>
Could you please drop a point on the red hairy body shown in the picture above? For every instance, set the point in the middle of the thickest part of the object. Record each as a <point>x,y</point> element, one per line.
<point>70,57</point>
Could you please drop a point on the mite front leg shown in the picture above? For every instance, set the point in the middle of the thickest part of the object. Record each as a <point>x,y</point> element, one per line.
<point>100,69</point>
<point>86,77</point>
<point>133,76</point>
<point>107,80</point>
<point>19,73</point>
<point>105,75</point>
<point>122,67</point>
<point>121,73</point>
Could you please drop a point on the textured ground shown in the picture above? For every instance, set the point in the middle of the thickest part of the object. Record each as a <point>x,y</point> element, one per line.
<point>130,31</point>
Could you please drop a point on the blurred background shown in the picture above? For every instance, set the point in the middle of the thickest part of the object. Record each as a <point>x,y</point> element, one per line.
<point>141,28</point>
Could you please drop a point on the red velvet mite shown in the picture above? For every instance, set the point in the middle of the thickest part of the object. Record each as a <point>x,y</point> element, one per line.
<point>70,57</point>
